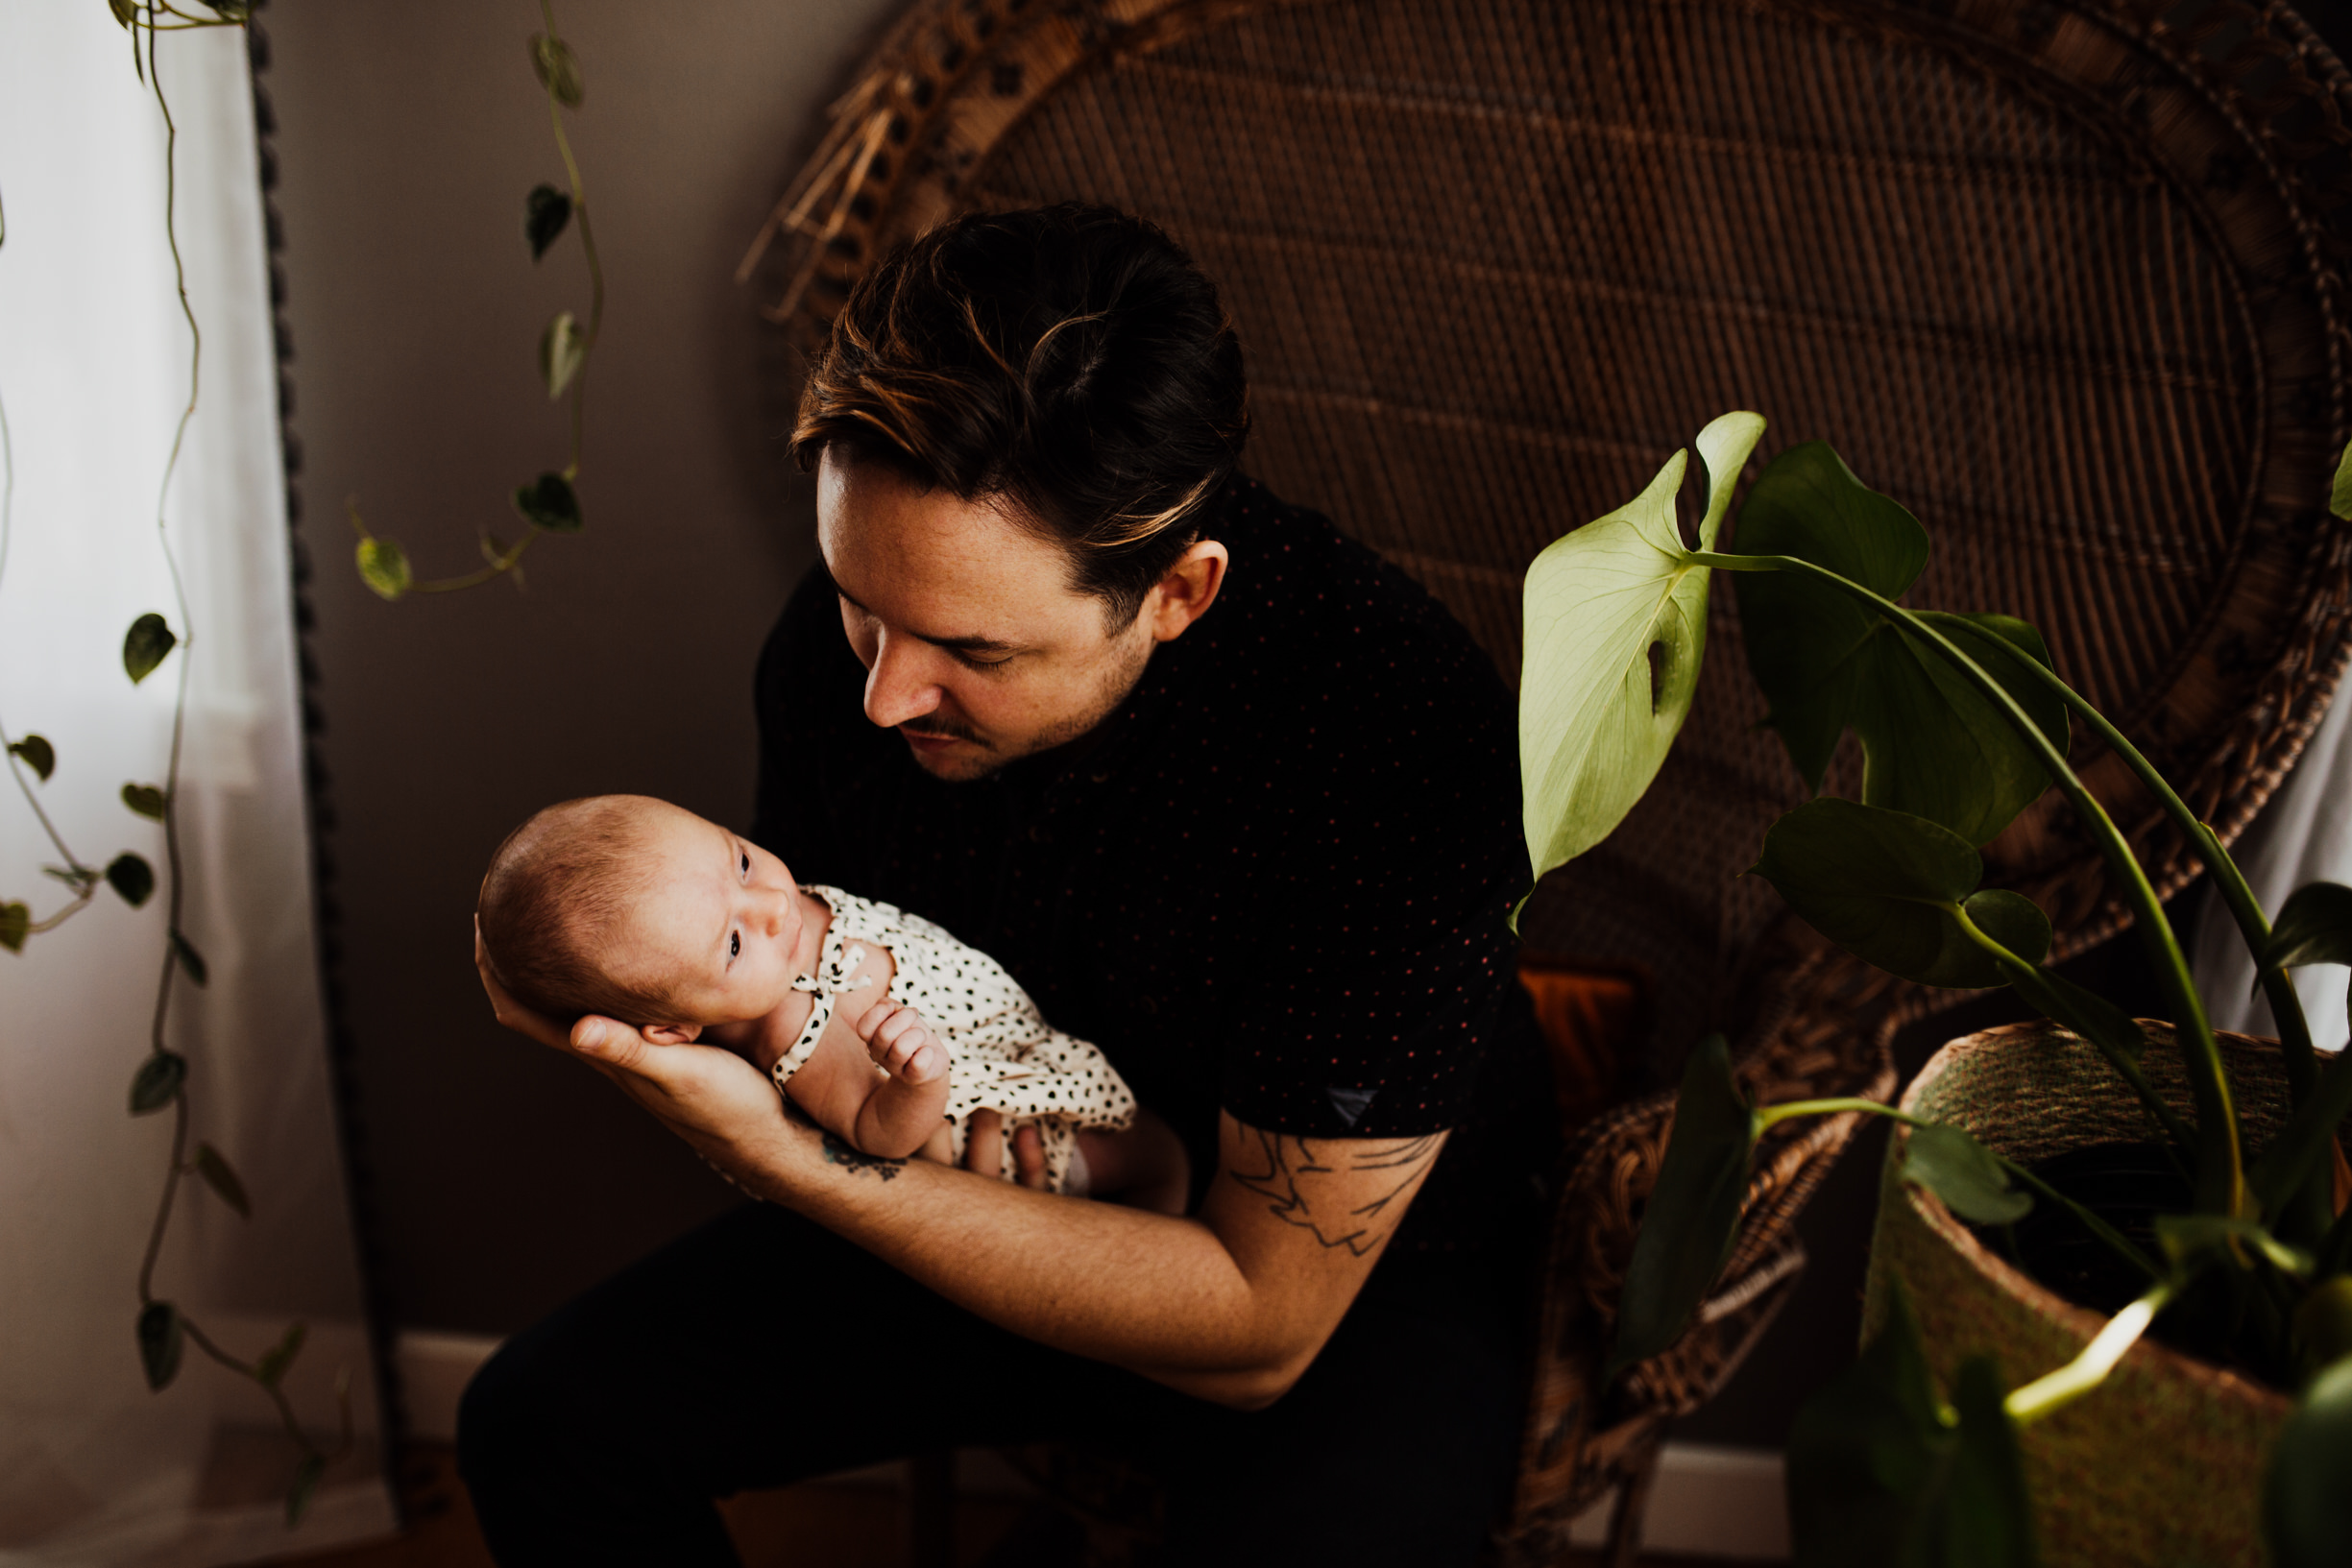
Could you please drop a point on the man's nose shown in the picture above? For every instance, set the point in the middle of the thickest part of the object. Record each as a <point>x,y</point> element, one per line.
<point>897,685</point>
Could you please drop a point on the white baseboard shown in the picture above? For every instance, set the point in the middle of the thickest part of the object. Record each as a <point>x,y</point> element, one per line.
<point>1708,1502</point>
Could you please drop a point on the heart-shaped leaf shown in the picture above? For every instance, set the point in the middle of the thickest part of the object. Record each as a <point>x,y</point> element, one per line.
<point>15,925</point>
<point>1693,1215</point>
<point>558,69</point>
<point>2339,494</point>
<point>40,756</point>
<point>562,352</point>
<point>223,1179</point>
<point>1932,745</point>
<point>383,567</point>
<point>1881,1474</point>
<point>547,212</point>
<point>157,1083</point>
<point>1964,1173</point>
<point>131,876</point>
<point>146,799</point>
<point>1617,626</point>
<point>161,1341</point>
<point>124,11</point>
<point>2306,1498</point>
<point>147,644</point>
<point>550,502</point>
<point>1885,886</point>
<point>275,1362</point>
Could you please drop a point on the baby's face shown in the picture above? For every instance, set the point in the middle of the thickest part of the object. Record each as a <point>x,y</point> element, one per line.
<point>723,925</point>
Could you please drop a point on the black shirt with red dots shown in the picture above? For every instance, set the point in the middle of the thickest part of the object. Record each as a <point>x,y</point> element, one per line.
<point>1275,881</point>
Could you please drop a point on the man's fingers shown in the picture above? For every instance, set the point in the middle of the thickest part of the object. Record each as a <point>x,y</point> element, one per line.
<point>984,1144</point>
<point>1029,1158</point>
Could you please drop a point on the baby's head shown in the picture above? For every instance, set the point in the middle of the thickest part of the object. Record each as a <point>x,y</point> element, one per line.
<point>600,904</point>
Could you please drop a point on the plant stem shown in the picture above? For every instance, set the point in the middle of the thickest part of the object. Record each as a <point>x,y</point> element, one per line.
<point>506,562</point>
<point>588,249</point>
<point>2221,1187</point>
<point>2115,1240</point>
<point>2055,1390</point>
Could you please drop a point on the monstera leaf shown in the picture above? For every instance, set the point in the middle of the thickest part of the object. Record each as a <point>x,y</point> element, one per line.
<point>1889,887</point>
<point>1616,624</point>
<point>1932,744</point>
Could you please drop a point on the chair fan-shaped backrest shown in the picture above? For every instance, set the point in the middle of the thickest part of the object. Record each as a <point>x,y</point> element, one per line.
<point>2065,278</point>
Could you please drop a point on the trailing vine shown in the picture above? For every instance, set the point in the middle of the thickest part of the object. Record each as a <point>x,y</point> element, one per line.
<point>163,1329</point>
<point>550,503</point>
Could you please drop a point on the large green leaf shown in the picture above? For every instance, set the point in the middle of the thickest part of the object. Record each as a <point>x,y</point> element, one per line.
<point>1932,745</point>
<point>2307,1501</point>
<point>1617,626</point>
<point>1964,1173</point>
<point>2314,927</point>
<point>1693,1213</point>
<point>1882,1475</point>
<point>1885,886</point>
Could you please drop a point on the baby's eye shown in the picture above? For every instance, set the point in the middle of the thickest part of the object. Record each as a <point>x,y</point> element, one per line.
<point>735,944</point>
<point>745,857</point>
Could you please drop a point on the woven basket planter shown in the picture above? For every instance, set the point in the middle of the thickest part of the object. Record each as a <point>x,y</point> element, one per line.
<point>2163,1464</point>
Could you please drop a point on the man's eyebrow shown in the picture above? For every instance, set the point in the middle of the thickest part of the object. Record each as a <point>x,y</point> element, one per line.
<point>961,644</point>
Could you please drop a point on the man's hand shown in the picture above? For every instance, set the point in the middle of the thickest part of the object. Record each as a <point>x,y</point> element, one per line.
<point>984,1150</point>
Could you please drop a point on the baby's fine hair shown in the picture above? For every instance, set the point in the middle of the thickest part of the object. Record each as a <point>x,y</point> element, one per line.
<point>556,890</point>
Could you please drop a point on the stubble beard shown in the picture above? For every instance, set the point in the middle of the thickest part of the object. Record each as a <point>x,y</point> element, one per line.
<point>980,758</point>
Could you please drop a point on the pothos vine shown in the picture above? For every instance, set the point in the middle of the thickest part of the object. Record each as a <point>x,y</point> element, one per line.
<point>550,503</point>
<point>164,1330</point>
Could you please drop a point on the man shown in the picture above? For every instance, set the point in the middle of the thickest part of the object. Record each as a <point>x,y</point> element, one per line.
<point>1229,797</point>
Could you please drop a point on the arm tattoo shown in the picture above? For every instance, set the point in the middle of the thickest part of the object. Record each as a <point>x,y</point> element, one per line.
<point>1287,1170</point>
<point>856,1161</point>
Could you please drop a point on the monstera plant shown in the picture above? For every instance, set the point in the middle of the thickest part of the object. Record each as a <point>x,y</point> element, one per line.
<point>1963,723</point>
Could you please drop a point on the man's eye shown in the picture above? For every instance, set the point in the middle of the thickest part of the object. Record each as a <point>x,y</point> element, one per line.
<point>974,663</point>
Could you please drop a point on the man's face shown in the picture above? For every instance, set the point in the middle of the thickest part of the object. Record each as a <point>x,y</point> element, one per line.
<point>976,649</point>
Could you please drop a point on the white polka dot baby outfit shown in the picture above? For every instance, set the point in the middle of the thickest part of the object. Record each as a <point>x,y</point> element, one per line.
<point>1003,1057</point>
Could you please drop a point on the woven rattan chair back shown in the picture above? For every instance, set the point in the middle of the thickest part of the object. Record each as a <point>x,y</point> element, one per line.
<point>2067,278</point>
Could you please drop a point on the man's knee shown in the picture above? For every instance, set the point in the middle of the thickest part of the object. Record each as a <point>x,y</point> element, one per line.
<point>514,1415</point>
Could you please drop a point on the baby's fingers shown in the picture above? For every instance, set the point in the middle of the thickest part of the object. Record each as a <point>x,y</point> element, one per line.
<point>871,1020</point>
<point>918,1059</point>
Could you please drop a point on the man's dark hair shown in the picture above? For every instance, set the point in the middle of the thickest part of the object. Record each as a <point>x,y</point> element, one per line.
<point>1069,360</point>
<point>556,888</point>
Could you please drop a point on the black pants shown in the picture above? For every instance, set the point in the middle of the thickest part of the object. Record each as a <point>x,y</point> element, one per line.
<point>761,1350</point>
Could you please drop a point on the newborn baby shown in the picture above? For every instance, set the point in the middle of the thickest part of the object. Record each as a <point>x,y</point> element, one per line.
<point>638,910</point>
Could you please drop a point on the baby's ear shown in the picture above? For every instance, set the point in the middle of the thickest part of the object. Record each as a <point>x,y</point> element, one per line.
<point>672,1034</point>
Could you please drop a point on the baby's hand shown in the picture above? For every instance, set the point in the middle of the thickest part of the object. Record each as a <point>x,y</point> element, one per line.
<point>901,1043</point>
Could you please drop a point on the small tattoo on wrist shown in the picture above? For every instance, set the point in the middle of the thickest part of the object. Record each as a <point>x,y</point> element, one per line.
<point>838,1152</point>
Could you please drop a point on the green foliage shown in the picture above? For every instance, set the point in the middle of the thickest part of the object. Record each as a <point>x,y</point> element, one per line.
<point>158,1081</point>
<point>15,925</point>
<point>1882,1474</point>
<point>161,1339</point>
<point>1890,888</point>
<point>218,1175</point>
<point>2314,925</point>
<point>1932,745</point>
<point>131,876</point>
<point>277,1360</point>
<point>305,1486</point>
<point>1693,1212</point>
<point>39,754</point>
<point>2339,494</point>
<point>562,352</point>
<point>558,69</point>
<point>1969,1178</point>
<point>147,644</point>
<point>383,567</point>
<point>1617,625</point>
<point>145,800</point>
<point>550,502</point>
<point>124,11</point>
<point>547,212</point>
<point>2307,1500</point>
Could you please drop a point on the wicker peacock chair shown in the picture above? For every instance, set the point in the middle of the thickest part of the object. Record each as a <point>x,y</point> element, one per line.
<point>2065,277</point>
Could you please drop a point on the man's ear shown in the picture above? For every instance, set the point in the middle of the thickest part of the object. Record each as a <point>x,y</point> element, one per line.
<point>672,1034</point>
<point>1184,595</point>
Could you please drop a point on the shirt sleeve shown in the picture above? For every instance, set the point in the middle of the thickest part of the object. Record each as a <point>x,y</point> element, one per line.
<point>1384,944</point>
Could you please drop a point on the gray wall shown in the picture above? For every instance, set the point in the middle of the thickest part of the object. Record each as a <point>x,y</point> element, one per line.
<point>407,133</point>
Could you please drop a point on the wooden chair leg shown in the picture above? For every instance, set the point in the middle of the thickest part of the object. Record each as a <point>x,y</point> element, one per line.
<point>931,1510</point>
<point>1624,1547</point>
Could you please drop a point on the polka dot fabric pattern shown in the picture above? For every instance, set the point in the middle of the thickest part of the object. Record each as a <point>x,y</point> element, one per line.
<point>1003,1057</point>
<point>1273,882</point>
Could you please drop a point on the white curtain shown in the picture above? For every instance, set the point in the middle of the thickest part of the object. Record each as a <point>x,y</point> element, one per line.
<point>94,1467</point>
<point>2303,836</point>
